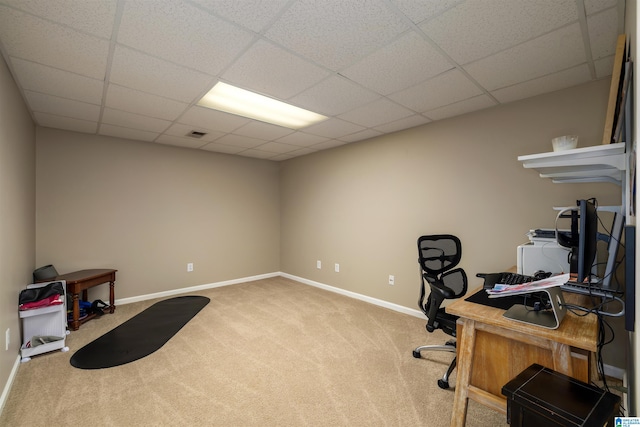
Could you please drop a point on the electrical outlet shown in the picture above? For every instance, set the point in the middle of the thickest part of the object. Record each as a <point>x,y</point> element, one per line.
<point>392,280</point>
<point>190,266</point>
<point>7,339</point>
<point>318,264</point>
<point>337,268</point>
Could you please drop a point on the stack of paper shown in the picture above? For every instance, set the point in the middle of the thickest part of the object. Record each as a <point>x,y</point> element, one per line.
<point>500,290</point>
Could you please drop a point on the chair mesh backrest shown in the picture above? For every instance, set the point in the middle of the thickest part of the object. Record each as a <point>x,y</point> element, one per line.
<point>438,254</point>
<point>456,281</point>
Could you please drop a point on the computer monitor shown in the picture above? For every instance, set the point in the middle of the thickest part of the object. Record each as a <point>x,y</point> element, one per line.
<point>583,240</point>
<point>587,238</point>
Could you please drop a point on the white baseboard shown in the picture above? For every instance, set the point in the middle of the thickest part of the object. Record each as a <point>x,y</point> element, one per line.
<point>614,372</point>
<point>9,384</point>
<point>371,300</point>
<point>193,288</point>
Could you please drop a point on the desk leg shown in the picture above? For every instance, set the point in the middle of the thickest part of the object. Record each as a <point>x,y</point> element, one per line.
<point>112,297</point>
<point>562,358</point>
<point>75,322</point>
<point>466,343</point>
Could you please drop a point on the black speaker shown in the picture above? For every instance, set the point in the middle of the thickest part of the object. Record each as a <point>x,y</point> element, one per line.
<point>42,274</point>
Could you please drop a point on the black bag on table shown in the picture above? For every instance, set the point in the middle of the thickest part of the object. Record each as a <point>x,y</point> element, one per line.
<point>37,294</point>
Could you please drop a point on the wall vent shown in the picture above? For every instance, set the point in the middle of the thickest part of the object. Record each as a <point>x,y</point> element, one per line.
<point>196,134</point>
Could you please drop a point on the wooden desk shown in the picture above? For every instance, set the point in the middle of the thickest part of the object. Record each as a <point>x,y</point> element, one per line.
<point>493,349</point>
<point>80,281</point>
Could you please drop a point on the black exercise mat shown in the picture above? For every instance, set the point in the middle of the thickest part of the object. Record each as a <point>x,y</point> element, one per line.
<point>141,335</point>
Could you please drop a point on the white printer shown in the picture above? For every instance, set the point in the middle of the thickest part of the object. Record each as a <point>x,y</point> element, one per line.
<point>542,252</point>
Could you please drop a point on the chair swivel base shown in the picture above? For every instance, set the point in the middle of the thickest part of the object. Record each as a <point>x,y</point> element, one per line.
<point>449,346</point>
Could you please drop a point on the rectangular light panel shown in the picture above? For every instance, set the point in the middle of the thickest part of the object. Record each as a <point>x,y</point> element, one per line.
<point>234,100</point>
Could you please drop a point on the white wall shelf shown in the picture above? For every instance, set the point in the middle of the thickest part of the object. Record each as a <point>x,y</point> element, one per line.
<point>600,163</point>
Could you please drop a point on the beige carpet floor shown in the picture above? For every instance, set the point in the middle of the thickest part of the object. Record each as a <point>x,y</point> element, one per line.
<point>272,352</point>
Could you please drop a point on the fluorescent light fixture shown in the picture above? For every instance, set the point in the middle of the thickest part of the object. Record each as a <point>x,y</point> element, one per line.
<point>244,103</point>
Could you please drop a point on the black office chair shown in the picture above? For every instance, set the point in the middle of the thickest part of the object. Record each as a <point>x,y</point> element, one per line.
<point>438,255</point>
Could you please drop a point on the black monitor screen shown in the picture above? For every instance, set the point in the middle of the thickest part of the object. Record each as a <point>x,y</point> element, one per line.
<point>587,238</point>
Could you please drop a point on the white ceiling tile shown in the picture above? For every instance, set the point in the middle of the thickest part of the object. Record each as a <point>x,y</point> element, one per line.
<point>406,123</point>
<point>419,10</point>
<point>222,148</point>
<point>148,74</point>
<point>272,71</point>
<point>466,106</point>
<point>478,28</point>
<point>64,84</point>
<point>335,33</point>
<point>604,66</point>
<point>133,121</point>
<point>403,63</point>
<point>549,83</point>
<point>359,136</point>
<point>67,123</point>
<point>260,130</point>
<point>333,96</point>
<point>544,55</point>
<point>593,6</point>
<point>332,143</point>
<point>301,139</point>
<point>182,33</point>
<point>258,154</point>
<point>602,33</point>
<point>212,119</point>
<point>239,141</point>
<point>180,142</point>
<point>120,132</point>
<point>122,98</point>
<point>376,113</point>
<point>181,131</point>
<point>277,147</point>
<point>292,154</point>
<point>333,128</point>
<point>445,89</point>
<point>35,39</point>
<point>251,14</point>
<point>94,17</point>
<point>44,103</point>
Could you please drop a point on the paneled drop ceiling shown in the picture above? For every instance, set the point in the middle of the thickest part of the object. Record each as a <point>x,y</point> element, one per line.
<point>135,69</point>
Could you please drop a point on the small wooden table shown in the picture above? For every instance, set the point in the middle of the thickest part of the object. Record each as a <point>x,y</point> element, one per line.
<point>80,281</point>
<point>493,349</point>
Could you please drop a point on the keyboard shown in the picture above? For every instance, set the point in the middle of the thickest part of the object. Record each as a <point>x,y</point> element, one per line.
<point>507,278</point>
<point>589,289</point>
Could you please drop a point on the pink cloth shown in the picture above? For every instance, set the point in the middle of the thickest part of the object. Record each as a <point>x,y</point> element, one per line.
<point>50,300</point>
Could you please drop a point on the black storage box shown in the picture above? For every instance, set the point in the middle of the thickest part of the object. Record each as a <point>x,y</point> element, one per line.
<point>540,396</point>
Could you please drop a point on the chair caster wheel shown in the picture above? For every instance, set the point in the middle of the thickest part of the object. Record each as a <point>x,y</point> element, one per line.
<point>443,384</point>
<point>416,354</point>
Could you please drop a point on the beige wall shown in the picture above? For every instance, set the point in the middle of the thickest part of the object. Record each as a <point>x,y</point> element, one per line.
<point>365,204</point>
<point>17,213</point>
<point>148,210</point>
